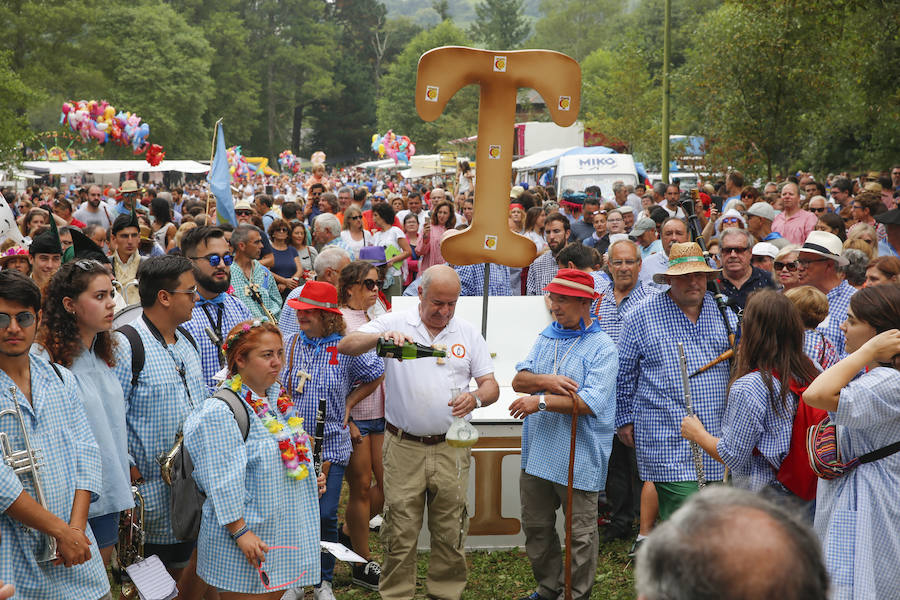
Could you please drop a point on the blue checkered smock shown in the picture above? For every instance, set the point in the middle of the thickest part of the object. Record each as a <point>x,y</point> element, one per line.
<point>650,392</point>
<point>206,315</point>
<point>591,360</point>
<point>857,513</point>
<point>819,348</point>
<point>268,289</point>
<point>333,376</point>
<point>540,273</point>
<point>611,316</point>
<point>471,280</point>
<point>751,423</point>
<point>248,479</point>
<point>155,410</point>
<point>838,304</point>
<point>56,423</point>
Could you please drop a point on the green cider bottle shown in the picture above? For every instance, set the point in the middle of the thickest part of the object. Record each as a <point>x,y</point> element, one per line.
<point>388,349</point>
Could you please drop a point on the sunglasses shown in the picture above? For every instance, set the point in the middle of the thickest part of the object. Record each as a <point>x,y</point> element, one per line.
<point>215,259</point>
<point>280,230</point>
<point>243,213</point>
<point>731,220</point>
<point>369,284</point>
<point>817,210</point>
<point>726,251</point>
<point>354,218</point>
<point>24,319</point>
<point>790,266</point>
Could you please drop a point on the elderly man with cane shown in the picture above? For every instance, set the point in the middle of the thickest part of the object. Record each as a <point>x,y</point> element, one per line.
<point>651,395</point>
<point>570,374</point>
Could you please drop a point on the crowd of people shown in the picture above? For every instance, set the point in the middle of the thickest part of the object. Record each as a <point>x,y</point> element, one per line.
<point>251,346</point>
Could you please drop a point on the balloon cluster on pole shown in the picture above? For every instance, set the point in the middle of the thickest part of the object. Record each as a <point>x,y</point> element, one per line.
<point>100,121</point>
<point>400,148</point>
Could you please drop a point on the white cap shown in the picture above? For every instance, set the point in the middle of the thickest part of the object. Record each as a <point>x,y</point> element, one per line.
<point>765,249</point>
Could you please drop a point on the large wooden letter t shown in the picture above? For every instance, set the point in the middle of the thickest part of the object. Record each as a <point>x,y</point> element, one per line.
<point>444,71</point>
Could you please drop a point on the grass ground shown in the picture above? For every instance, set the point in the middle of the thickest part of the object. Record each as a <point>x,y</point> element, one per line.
<point>498,575</point>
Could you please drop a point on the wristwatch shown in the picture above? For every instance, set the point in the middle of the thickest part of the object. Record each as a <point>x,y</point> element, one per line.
<point>477,400</point>
<point>542,403</point>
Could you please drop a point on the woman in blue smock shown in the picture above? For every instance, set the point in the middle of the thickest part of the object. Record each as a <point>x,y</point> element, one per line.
<point>259,534</point>
<point>76,320</point>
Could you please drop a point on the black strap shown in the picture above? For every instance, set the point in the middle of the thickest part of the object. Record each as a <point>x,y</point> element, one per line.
<point>180,368</point>
<point>57,371</point>
<point>217,329</point>
<point>880,453</point>
<point>137,351</point>
<point>238,409</point>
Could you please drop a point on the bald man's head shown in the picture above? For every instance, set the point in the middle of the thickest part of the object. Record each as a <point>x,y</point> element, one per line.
<point>730,544</point>
<point>438,294</point>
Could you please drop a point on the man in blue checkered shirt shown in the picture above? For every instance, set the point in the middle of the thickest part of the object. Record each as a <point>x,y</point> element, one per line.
<point>650,396</point>
<point>572,362</point>
<point>215,311</point>
<point>544,267</point>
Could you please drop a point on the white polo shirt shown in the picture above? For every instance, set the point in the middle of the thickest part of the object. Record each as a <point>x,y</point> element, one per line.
<point>417,391</point>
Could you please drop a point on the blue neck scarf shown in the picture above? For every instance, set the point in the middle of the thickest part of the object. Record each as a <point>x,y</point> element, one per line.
<point>218,300</point>
<point>555,331</point>
<point>319,342</point>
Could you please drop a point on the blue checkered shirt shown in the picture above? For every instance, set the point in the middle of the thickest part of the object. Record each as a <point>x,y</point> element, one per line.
<point>540,273</point>
<point>333,376</point>
<point>155,410</point>
<point>591,360</point>
<point>206,315</point>
<point>611,316</point>
<point>57,424</point>
<point>471,279</point>
<point>750,423</point>
<point>247,479</point>
<point>838,305</point>
<point>650,393</point>
<point>268,289</point>
<point>819,348</point>
<point>856,514</point>
<point>287,321</point>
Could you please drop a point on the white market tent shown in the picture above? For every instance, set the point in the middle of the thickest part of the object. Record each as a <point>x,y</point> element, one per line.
<point>527,163</point>
<point>71,167</point>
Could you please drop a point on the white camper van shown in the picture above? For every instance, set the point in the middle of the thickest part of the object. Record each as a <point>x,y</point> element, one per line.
<point>577,171</point>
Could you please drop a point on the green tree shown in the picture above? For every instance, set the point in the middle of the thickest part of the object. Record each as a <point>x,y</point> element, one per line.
<point>575,27</point>
<point>397,107</point>
<point>748,85</point>
<point>620,100</point>
<point>161,74</point>
<point>500,24</point>
<point>442,8</point>
<point>14,95</point>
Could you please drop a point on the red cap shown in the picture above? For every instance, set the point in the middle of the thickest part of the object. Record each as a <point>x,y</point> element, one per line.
<point>572,282</point>
<point>317,295</point>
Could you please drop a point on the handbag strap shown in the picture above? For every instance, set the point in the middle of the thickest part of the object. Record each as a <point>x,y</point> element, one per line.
<point>880,453</point>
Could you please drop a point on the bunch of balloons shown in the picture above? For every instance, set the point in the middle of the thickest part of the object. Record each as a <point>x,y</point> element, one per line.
<point>238,165</point>
<point>99,120</point>
<point>397,147</point>
<point>288,161</point>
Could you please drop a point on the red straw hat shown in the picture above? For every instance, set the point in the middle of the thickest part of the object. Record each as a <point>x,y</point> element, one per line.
<point>572,282</point>
<point>317,295</point>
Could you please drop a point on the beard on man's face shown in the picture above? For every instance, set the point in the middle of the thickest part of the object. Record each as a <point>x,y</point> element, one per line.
<point>209,283</point>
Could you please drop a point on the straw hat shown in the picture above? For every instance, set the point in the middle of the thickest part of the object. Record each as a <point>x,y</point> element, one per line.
<point>684,259</point>
<point>129,186</point>
<point>825,244</point>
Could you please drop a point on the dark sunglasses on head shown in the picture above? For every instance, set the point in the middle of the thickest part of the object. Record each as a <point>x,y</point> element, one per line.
<point>215,259</point>
<point>24,319</point>
<point>790,266</point>
<point>369,284</point>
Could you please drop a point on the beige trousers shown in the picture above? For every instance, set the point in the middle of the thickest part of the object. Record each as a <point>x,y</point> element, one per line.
<point>540,501</point>
<point>416,475</point>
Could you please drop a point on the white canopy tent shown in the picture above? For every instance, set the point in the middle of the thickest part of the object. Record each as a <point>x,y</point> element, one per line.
<point>526,163</point>
<point>71,167</point>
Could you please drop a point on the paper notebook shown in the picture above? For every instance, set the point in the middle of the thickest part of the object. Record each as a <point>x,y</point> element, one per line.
<point>152,580</point>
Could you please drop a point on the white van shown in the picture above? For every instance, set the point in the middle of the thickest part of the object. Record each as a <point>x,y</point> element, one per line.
<point>576,172</point>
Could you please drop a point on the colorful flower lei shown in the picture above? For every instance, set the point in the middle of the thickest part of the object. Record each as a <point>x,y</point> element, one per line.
<point>293,441</point>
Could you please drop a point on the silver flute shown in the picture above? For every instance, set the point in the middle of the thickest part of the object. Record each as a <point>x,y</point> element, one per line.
<point>695,448</point>
<point>24,463</point>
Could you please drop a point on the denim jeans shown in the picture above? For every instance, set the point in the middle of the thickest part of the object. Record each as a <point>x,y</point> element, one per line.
<point>328,508</point>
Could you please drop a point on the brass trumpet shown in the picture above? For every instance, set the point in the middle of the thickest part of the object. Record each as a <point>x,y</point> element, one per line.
<point>24,462</point>
<point>130,548</point>
<point>166,459</point>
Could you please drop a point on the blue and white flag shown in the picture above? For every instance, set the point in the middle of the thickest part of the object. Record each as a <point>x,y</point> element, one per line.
<point>219,179</point>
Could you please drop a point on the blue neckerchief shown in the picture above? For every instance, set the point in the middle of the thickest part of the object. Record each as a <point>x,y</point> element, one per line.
<point>218,300</point>
<point>319,342</point>
<point>555,331</point>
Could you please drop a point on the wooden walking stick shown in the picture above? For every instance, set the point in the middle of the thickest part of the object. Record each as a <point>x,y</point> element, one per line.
<point>570,494</point>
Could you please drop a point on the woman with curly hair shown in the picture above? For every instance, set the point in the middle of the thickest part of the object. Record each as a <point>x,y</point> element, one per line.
<point>75,333</point>
<point>318,377</point>
<point>260,486</point>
